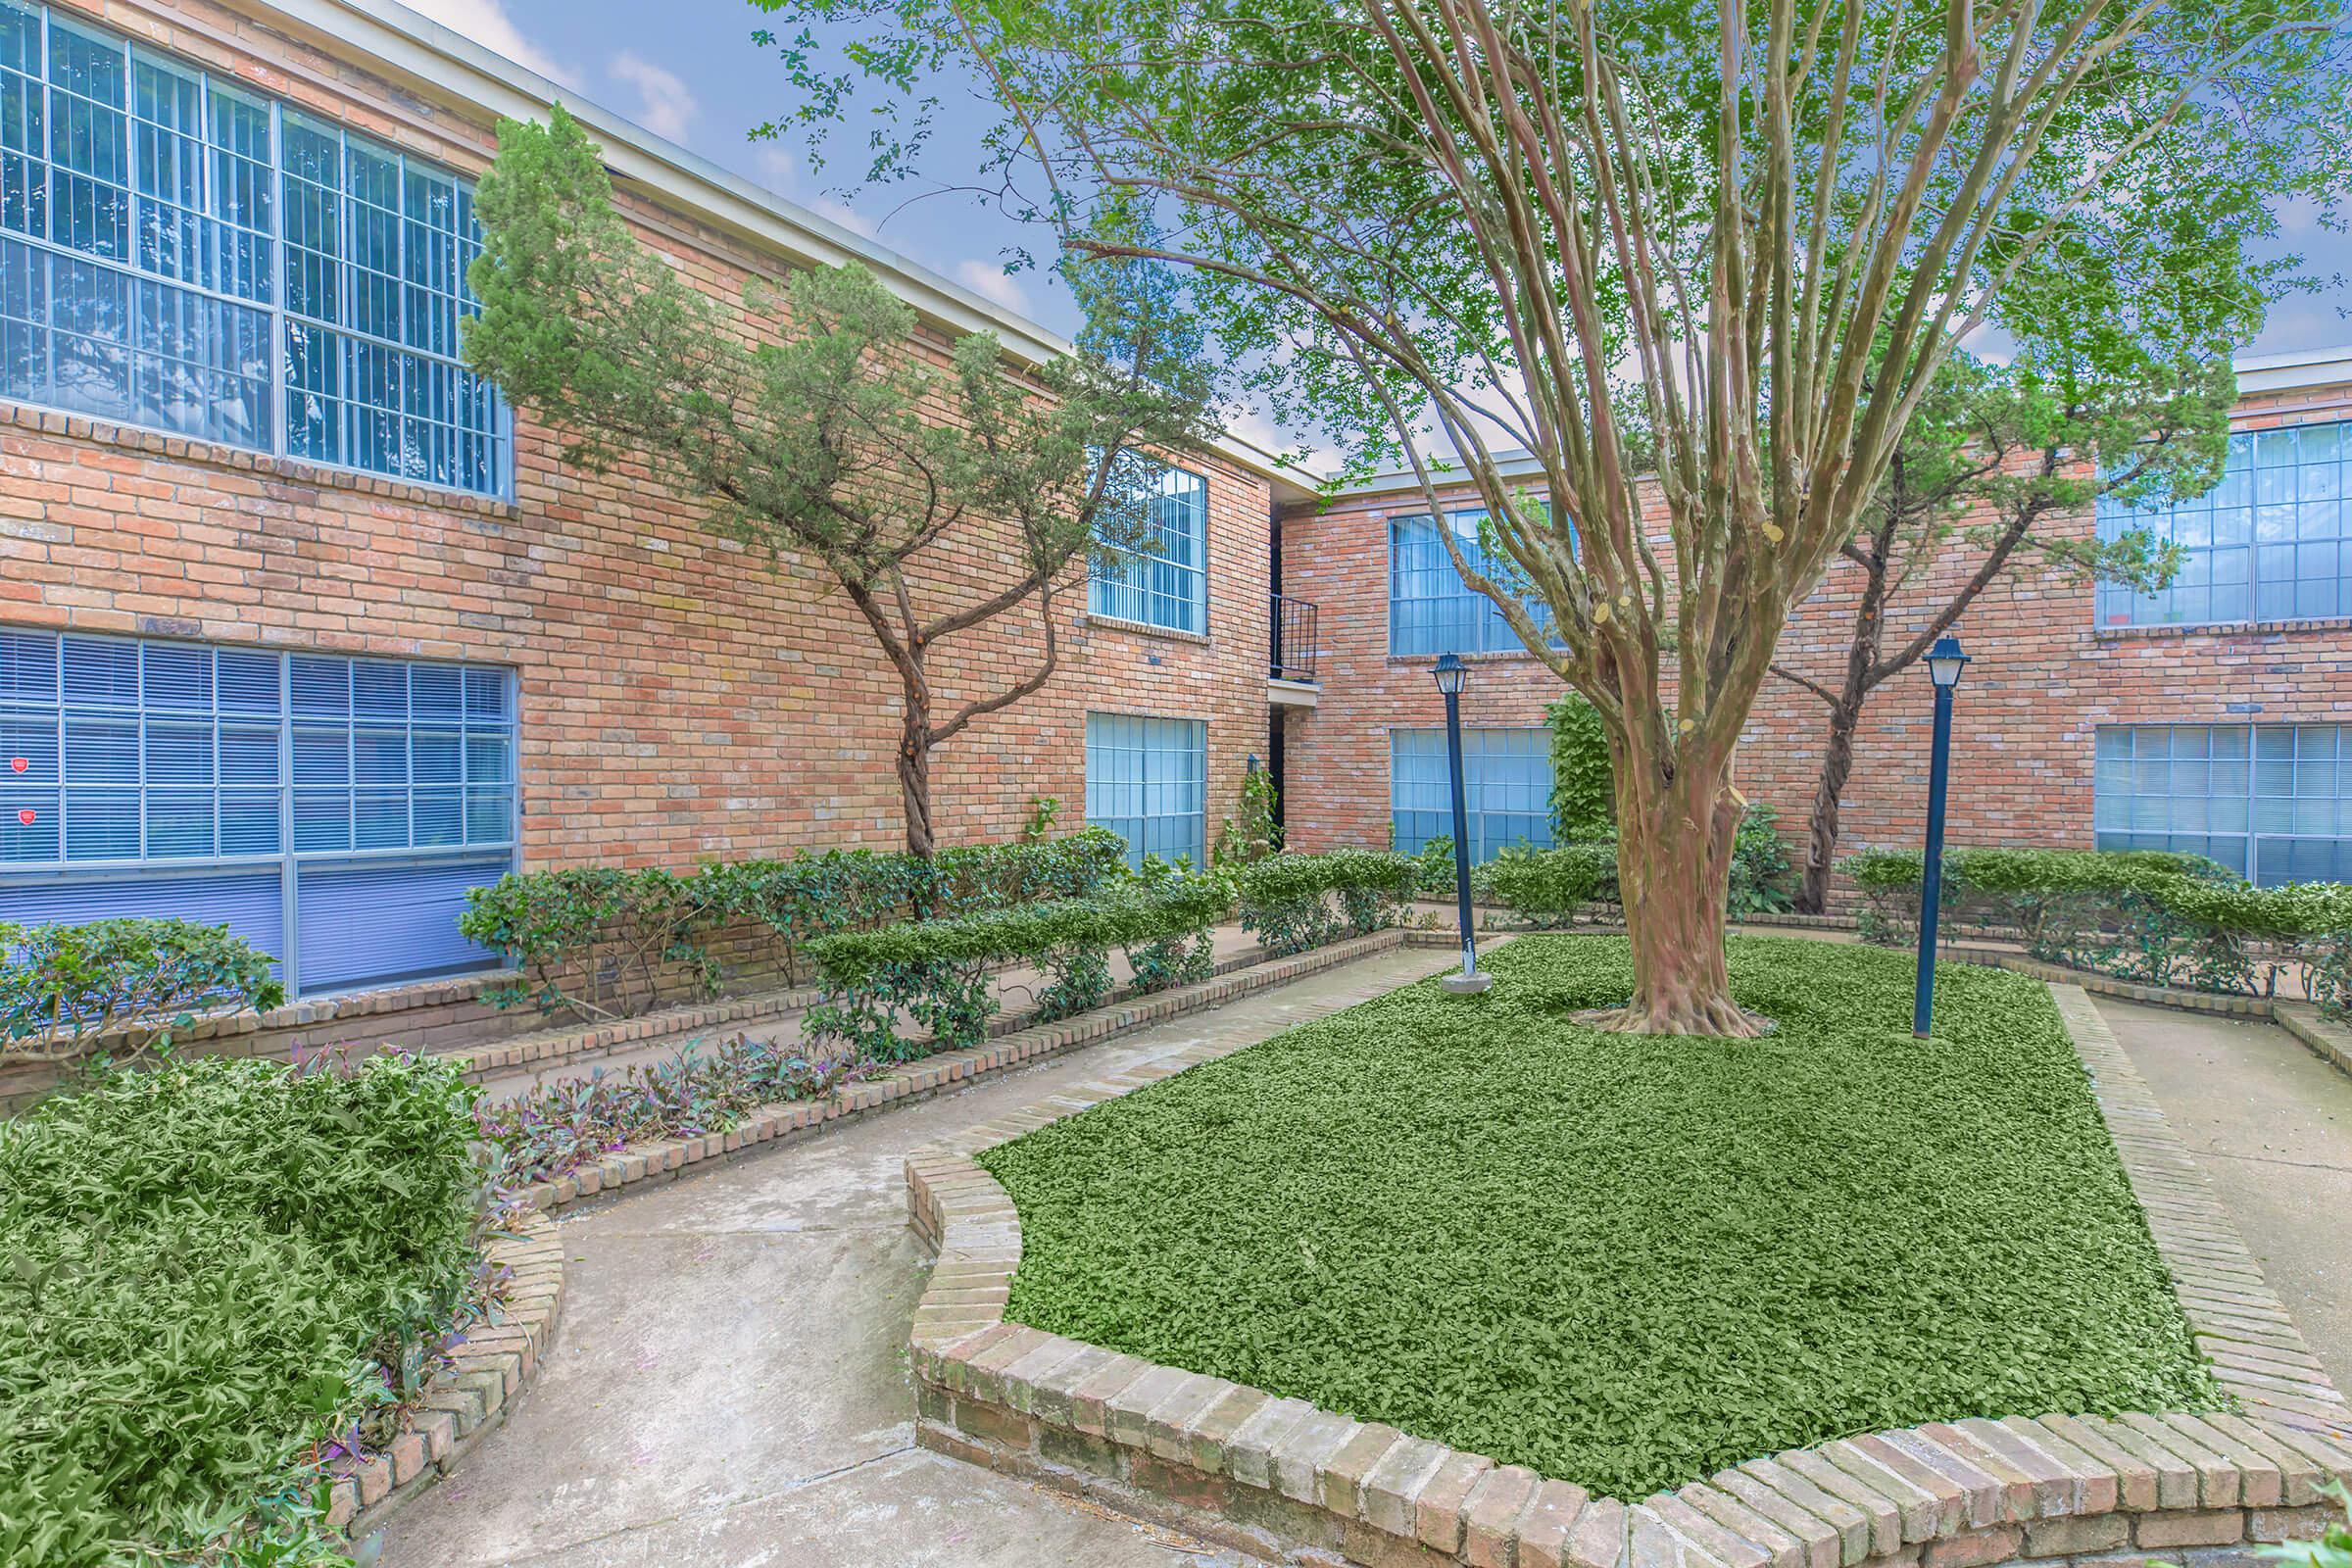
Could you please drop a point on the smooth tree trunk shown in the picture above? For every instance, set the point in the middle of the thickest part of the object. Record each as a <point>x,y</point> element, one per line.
<point>1674,828</point>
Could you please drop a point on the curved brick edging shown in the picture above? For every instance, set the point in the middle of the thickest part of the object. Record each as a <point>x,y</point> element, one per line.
<point>467,1399</point>
<point>668,1158</point>
<point>1282,1480</point>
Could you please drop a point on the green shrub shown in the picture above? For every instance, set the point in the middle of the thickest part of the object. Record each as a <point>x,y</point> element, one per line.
<point>1434,870</point>
<point>1760,867</point>
<point>1255,834</point>
<point>214,1267</point>
<point>2148,915</point>
<point>1287,898</point>
<point>601,942</point>
<point>1584,788</point>
<point>135,981</point>
<point>999,876</point>
<point>936,971</point>
<point>598,942</point>
<point>1546,887</point>
<point>1166,963</point>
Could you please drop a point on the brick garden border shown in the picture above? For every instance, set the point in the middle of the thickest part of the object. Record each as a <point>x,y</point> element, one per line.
<point>1282,1480</point>
<point>665,1159</point>
<point>468,1398</point>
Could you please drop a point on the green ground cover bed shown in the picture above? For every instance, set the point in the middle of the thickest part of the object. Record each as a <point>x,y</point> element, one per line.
<point>1624,1261</point>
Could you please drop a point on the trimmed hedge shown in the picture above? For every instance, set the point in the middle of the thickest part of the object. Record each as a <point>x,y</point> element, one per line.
<point>135,980</point>
<point>2148,915</point>
<point>936,972</point>
<point>1623,1261</point>
<point>1288,899</point>
<point>1546,887</point>
<point>216,1268</point>
<point>600,942</point>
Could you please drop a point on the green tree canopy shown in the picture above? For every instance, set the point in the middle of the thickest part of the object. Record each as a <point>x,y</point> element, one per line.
<point>811,424</point>
<point>1703,261</point>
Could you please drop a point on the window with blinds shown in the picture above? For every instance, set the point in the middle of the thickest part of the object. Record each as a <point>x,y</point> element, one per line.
<point>1431,609</point>
<point>2271,802</point>
<point>1506,787</point>
<point>1146,780</point>
<point>1167,584</point>
<point>2273,541</point>
<point>185,255</point>
<point>234,786</point>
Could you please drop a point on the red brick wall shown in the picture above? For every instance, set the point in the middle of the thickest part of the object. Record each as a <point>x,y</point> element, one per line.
<point>1335,754</point>
<point>678,699</point>
<point>2044,679</point>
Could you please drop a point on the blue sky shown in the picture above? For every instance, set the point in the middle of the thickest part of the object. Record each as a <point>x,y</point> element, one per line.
<point>689,70</point>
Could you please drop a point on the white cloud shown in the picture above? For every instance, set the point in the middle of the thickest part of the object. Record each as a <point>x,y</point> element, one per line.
<point>775,166</point>
<point>990,281</point>
<point>848,217</point>
<point>1254,426</point>
<point>664,104</point>
<point>486,23</point>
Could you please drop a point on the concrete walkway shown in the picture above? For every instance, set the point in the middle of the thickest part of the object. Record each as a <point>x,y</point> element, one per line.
<point>728,1387</point>
<point>2271,1126</point>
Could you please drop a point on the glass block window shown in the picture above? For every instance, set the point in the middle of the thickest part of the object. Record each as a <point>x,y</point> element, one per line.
<point>179,253</point>
<point>2271,802</point>
<point>1431,609</point>
<point>1166,585</point>
<point>2270,542</point>
<point>1506,788</point>
<point>122,758</point>
<point>1146,780</point>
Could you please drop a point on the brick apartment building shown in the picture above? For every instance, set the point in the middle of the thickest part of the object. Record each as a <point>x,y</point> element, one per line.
<point>305,630</point>
<point>2214,716</point>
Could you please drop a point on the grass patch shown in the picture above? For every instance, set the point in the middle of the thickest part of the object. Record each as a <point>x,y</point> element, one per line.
<point>1624,1261</point>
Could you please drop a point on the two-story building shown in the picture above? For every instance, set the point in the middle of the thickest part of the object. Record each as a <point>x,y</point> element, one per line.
<point>304,629</point>
<point>2215,716</point>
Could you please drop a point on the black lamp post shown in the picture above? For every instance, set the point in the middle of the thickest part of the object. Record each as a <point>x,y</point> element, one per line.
<point>1945,661</point>
<point>1451,673</point>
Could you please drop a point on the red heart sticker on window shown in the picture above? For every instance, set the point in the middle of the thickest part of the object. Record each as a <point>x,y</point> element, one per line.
<point>28,816</point>
<point>20,764</point>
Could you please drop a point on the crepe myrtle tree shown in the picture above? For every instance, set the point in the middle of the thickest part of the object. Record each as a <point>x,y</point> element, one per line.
<point>1994,477</point>
<point>810,426</point>
<point>1702,261</point>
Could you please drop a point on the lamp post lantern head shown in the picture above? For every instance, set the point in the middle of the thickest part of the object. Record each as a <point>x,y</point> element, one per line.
<point>1453,672</point>
<point>1945,661</point>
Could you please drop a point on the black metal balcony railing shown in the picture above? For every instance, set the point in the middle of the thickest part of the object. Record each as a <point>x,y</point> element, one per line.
<point>1293,644</point>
